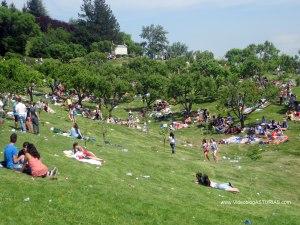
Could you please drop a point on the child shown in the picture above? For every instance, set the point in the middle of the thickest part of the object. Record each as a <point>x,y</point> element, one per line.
<point>172,142</point>
<point>205,147</point>
<point>214,149</point>
<point>35,166</point>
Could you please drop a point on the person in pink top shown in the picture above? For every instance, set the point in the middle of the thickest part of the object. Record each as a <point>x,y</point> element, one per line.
<point>35,167</point>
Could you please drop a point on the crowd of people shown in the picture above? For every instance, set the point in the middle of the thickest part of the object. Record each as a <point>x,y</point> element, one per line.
<point>27,160</point>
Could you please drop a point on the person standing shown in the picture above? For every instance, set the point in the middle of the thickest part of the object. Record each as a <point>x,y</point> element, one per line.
<point>21,111</point>
<point>205,147</point>
<point>34,118</point>
<point>11,159</point>
<point>172,142</point>
<point>214,149</point>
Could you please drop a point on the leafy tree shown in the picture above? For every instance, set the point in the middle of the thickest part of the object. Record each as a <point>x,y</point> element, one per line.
<point>66,52</point>
<point>177,49</point>
<point>151,87</point>
<point>178,65</point>
<point>156,40</point>
<point>36,8</point>
<point>134,49</point>
<point>188,89</point>
<point>78,78</point>
<point>111,90</point>
<point>236,95</point>
<point>4,3</point>
<point>102,46</point>
<point>19,78</point>
<point>99,21</point>
<point>94,59</point>
<point>144,65</point>
<point>252,67</point>
<point>16,29</point>
<point>206,65</point>
<point>51,69</point>
<point>288,63</point>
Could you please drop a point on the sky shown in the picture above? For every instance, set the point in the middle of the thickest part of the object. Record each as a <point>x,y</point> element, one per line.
<point>214,25</point>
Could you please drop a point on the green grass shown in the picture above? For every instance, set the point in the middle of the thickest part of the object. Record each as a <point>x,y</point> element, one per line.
<point>84,194</point>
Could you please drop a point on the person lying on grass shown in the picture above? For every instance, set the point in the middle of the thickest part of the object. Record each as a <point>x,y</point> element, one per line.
<point>34,166</point>
<point>204,180</point>
<point>82,153</point>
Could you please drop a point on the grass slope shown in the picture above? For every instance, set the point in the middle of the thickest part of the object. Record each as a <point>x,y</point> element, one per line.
<point>84,194</point>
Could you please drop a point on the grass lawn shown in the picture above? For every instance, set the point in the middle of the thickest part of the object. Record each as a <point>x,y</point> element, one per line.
<point>85,194</point>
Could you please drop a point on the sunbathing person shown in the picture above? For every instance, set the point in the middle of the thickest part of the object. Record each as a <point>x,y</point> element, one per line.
<point>204,180</point>
<point>35,167</point>
<point>82,153</point>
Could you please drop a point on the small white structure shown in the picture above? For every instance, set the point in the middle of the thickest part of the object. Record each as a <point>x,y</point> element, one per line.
<point>120,50</point>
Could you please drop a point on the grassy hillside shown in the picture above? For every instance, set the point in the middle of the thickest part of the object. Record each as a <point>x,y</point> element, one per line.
<point>85,194</point>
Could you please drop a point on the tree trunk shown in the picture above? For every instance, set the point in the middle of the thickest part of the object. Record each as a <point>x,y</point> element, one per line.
<point>242,121</point>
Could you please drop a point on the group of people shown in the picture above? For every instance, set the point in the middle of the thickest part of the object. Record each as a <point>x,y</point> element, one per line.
<point>207,146</point>
<point>210,146</point>
<point>26,116</point>
<point>27,160</point>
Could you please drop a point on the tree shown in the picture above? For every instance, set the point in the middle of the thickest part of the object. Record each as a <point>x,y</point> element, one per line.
<point>78,78</point>
<point>4,3</point>
<point>51,69</point>
<point>236,95</point>
<point>36,8</point>
<point>188,89</point>
<point>16,29</point>
<point>151,87</point>
<point>252,67</point>
<point>156,40</point>
<point>111,90</point>
<point>19,78</point>
<point>102,46</point>
<point>99,21</point>
<point>177,49</point>
<point>206,65</point>
<point>134,49</point>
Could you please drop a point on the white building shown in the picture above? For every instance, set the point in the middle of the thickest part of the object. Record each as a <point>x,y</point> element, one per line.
<point>120,50</point>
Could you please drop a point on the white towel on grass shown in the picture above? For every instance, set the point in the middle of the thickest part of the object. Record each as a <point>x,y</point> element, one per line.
<point>70,154</point>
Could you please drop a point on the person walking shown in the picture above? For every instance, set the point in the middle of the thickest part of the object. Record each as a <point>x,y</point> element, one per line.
<point>172,141</point>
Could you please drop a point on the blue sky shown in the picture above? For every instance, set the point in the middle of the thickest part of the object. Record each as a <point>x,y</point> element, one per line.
<point>214,25</point>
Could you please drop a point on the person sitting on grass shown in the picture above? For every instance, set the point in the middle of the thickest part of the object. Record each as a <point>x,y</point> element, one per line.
<point>34,166</point>
<point>82,153</point>
<point>203,179</point>
<point>11,159</point>
<point>75,132</point>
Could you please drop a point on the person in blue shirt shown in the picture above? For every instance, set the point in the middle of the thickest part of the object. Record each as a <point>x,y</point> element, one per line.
<point>11,159</point>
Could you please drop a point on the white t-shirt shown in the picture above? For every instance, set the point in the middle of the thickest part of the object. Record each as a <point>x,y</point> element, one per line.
<point>21,109</point>
<point>1,105</point>
<point>172,140</point>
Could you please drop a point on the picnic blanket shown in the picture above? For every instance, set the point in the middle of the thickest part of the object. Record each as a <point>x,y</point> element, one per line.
<point>240,140</point>
<point>70,154</point>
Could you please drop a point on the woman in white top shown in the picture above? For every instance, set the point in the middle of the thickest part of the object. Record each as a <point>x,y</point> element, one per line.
<point>172,142</point>
<point>214,149</point>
